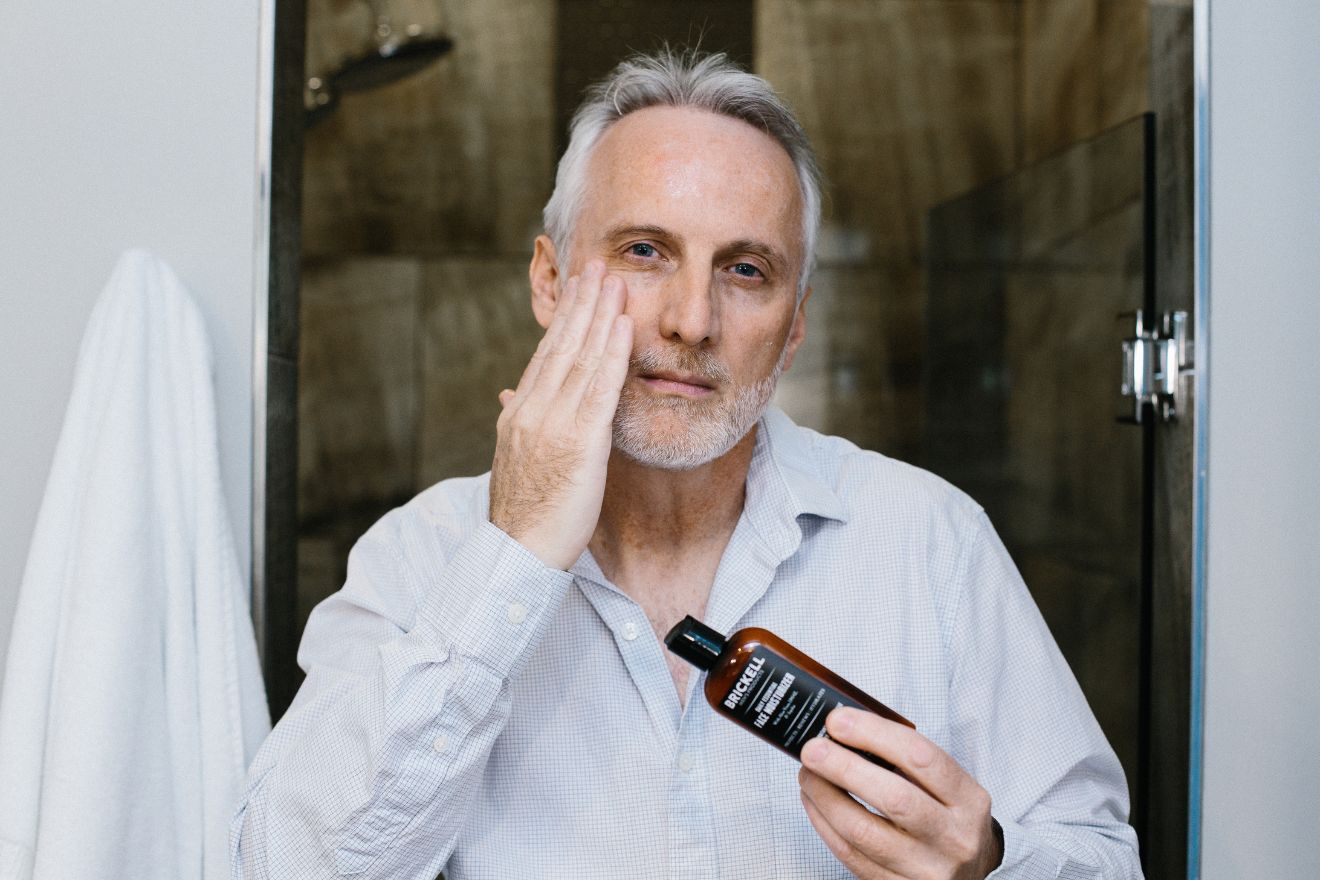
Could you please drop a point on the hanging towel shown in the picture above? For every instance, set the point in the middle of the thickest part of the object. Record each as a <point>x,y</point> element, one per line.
<point>132,699</point>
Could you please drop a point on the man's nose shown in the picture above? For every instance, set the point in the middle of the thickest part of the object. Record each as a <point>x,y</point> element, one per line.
<point>690,312</point>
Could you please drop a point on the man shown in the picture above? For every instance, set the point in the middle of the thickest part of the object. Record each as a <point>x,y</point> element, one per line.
<point>488,694</point>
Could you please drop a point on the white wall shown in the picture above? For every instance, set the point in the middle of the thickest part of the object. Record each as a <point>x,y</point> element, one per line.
<point>1262,732</point>
<point>121,124</point>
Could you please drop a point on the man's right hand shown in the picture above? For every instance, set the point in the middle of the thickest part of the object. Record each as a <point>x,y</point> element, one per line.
<point>556,431</point>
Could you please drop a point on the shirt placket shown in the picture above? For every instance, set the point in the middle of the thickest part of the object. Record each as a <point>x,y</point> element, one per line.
<point>692,849</point>
<point>642,660</point>
<point>756,548</point>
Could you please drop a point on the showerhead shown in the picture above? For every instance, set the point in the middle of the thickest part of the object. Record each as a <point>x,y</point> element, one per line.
<point>390,63</point>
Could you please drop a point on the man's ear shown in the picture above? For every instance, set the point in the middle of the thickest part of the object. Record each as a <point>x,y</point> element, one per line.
<point>546,280</point>
<point>798,331</point>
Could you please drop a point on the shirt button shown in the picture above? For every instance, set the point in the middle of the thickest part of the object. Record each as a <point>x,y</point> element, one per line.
<point>685,762</point>
<point>630,631</point>
<point>441,743</point>
<point>517,613</point>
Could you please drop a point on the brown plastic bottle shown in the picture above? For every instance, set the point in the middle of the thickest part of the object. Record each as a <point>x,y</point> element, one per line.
<point>769,687</point>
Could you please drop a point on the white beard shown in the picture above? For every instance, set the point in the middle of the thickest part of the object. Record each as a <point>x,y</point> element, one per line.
<point>708,429</point>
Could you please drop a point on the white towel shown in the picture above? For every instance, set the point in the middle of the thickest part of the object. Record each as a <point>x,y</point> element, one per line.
<point>132,698</point>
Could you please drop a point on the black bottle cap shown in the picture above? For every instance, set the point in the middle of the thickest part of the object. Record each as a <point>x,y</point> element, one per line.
<point>695,642</point>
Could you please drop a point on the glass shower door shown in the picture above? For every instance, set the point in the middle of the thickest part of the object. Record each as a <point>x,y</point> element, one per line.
<point>1026,277</point>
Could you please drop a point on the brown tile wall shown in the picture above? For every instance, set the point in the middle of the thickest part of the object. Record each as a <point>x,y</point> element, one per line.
<point>420,202</point>
<point>1084,68</point>
<point>477,334</point>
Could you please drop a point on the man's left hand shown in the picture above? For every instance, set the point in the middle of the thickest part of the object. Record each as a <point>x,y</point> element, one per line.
<point>936,822</point>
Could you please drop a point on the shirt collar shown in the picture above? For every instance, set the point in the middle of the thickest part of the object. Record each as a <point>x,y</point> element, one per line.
<point>784,453</point>
<point>784,483</point>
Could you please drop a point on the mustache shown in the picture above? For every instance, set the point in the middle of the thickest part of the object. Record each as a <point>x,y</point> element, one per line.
<point>680,360</point>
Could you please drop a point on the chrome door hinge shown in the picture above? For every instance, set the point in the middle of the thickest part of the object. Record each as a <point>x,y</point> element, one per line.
<point>1155,360</point>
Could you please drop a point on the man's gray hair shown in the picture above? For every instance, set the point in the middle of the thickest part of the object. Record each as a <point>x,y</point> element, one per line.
<point>681,79</point>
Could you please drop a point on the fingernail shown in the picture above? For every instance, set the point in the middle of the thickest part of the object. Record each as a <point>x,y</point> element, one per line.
<point>841,719</point>
<point>813,752</point>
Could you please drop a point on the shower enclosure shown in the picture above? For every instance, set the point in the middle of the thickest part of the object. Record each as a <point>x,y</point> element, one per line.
<point>1009,186</point>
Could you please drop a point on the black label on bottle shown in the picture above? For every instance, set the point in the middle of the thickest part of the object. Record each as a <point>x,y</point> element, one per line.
<point>782,702</point>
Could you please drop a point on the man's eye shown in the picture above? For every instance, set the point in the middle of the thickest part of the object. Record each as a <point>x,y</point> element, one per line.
<point>641,249</point>
<point>747,270</point>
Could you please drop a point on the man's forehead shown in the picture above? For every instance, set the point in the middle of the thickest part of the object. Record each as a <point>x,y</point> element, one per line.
<point>665,159</point>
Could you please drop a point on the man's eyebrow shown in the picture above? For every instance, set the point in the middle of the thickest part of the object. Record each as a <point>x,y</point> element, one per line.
<point>626,229</point>
<point>766,252</point>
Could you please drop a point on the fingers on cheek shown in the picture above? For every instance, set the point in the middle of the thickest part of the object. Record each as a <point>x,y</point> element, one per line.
<point>621,333</point>
<point>613,291</point>
<point>565,302</point>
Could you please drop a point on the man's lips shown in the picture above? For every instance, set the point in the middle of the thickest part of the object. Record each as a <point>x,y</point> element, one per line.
<point>688,384</point>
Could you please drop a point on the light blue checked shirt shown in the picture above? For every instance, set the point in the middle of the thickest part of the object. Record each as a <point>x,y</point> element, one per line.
<point>469,710</point>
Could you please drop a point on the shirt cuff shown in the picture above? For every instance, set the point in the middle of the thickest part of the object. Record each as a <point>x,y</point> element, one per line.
<point>493,602</point>
<point>1024,859</point>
